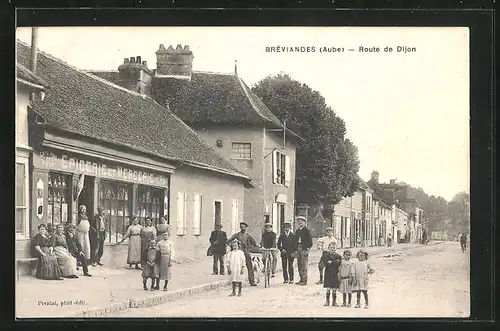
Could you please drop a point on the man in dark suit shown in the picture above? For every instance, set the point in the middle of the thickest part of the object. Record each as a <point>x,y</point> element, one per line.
<point>304,244</point>
<point>218,240</point>
<point>287,244</point>
<point>75,249</point>
<point>98,235</point>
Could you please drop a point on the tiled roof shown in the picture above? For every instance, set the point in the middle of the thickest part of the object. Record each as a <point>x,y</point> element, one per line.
<point>27,75</point>
<point>380,194</point>
<point>87,105</point>
<point>215,98</point>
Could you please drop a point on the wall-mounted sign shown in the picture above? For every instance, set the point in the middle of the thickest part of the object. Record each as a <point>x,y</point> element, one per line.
<point>64,162</point>
<point>39,198</point>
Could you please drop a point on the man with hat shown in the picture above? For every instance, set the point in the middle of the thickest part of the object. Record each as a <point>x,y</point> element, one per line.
<point>287,244</point>
<point>268,241</point>
<point>218,240</point>
<point>304,244</point>
<point>98,235</point>
<point>246,242</point>
<point>323,244</point>
<point>75,249</point>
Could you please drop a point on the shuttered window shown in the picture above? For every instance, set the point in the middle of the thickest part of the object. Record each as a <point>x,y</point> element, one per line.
<point>235,218</point>
<point>181,213</point>
<point>197,206</point>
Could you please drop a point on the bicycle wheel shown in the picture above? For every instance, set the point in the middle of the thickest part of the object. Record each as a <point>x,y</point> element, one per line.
<point>266,274</point>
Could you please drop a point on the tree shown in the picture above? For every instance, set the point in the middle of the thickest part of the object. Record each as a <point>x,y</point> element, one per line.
<point>327,163</point>
<point>459,212</point>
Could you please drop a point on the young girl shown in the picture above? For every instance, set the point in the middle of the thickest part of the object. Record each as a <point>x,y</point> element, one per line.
<point>236,265</point>
<point>346,275</point>
<point>151,267</point>
<point>165,248</point>
<point>360,283</point>
<point>331,282</point>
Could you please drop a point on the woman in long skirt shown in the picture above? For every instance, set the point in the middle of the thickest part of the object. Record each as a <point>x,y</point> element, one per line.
<point>82,232</point>
<point>165,248</point>
<point>47,268</point>
<point>134,243</point>
<point>65,260</point>
<point>148,233</point>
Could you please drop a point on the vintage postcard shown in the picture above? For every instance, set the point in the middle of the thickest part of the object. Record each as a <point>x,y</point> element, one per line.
<point>242,172</point>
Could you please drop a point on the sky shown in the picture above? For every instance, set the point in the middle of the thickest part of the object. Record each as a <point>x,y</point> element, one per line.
<point>408,113</point>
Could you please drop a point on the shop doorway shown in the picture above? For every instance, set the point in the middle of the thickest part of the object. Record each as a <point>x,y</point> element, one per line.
<point>87,196</point>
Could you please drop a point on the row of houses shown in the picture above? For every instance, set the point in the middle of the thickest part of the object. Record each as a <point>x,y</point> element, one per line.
<point>375,211</point>
<point>196,147</point>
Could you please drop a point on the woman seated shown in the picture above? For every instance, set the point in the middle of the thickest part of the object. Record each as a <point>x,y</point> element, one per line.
<point>47,268</point>
<point>65,260</point>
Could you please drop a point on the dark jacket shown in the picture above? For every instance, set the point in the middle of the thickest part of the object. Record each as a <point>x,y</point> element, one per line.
<point>287,243</point>
<point>304,235</point>
<point>74,246</point>
<point>94,223</point>
<point>268,240</point>
<point>246,240</point>
<point>218,241</point>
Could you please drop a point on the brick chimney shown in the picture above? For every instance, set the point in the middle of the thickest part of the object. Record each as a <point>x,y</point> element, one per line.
<point>135,75</point>
<point>176,62</point>
<point>375,176</point>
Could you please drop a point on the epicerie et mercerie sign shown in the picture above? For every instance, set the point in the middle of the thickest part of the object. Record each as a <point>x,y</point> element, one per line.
<point>64,162</point>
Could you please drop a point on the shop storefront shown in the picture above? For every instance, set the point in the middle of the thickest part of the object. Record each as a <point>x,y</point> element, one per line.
<point>66,180</point>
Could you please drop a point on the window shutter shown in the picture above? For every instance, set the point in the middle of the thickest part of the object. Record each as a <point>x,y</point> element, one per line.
<point>275,167</point>
<point>287,170</point>
<point>184,220</point>
<point>197,214</point>
<point>234,215</point>
<point>180,213</point>
<point>275,217</point>
<point>348,227</point>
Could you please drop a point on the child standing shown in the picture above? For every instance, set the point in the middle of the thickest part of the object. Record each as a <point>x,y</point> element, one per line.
<point>322,245</point>
<point>236,264</point>
<point>166,251</point>
<point>151,267</point>
<point>346,275</point>
<point>331,282</point>
<point>361,271</point>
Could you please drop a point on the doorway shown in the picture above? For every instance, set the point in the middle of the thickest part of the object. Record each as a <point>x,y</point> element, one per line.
<point>87,196</point>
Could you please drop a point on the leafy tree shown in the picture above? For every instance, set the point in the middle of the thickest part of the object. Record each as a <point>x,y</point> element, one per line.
<point>459,212</point>
<point>327,163</point>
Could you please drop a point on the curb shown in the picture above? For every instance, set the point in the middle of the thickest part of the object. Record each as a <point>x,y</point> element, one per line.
<point>160,299</point>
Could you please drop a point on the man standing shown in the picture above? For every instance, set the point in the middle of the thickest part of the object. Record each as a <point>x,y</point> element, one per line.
<point>304,244</point>
<point>75,249</point>
<point>287,244</point>
<point>98,235</point>
<point>323,244</point>
<point>246,242</point>
<point>268,241</point>
<point>218,240</point>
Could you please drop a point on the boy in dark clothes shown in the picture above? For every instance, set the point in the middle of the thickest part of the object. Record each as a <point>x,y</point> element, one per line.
<point>331,280</point>
<point>151,267</point>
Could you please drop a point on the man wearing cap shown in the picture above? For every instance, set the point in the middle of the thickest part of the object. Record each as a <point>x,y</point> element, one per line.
<point>218,240</point>
<point>246,242</point>
<point>323,244</point>
<point>98,235</point>
<point>287,244</point>
<point>304,244</point>
<point>268,241</point>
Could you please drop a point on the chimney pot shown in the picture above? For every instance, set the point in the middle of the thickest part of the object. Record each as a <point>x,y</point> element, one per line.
<point>179,47</point>
<point>132,59</point>
<point>145,63</point>
<point>125,60</point>
<point>186,48</point>
<point>138,59</point>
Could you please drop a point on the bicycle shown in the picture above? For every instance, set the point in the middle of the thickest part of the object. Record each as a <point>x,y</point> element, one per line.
<point>268,258</point>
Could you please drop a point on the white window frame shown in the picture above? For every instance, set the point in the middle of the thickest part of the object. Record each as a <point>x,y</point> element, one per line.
<point>221,211</point>
<point>275,219</point>
<point>235,211</point>
<point>277,169</point>
<point>25,234</point>
<point>197,216</point>
<point>181,213</point>
<point>233,157</point>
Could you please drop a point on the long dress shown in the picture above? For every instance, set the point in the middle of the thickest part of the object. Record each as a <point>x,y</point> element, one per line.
<point>47,267</point>
<point>235,262</point>
<point>134,244</point>
<point>346,271</point>
<point>82,235</point>
<point>147,234</point>
<point>361,271</point>
<point>167,253</point>
<point>65,260</point>
<point>148,270</point>
<point>332,263</point>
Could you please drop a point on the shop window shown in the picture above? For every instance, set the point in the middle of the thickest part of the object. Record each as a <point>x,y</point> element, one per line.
<point>116,199</point>
<point>58,208</point>
<point>21,197</point>
<point>242,151</point>
<point>197,202</point>
<point>149,203</point>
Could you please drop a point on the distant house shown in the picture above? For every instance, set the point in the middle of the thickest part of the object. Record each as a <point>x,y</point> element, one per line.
<point>95,143</point>
<point>233,121</point>
<point>385,209</point>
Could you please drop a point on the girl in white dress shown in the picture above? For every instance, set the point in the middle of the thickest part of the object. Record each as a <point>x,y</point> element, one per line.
<point>236,265</point>
<point>361,271</point>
